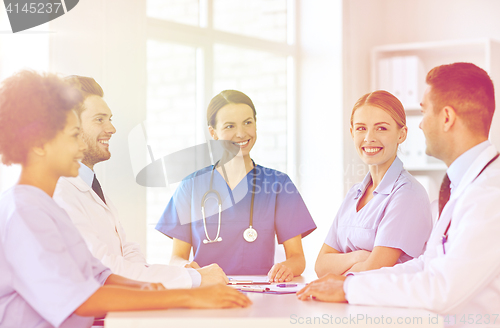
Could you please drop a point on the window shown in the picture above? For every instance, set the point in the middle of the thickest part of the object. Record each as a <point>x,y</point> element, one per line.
<point>265,19</point>
<point>196,49</point>
<point>180,11</point>
<point>170,125</point>
<point>263,77</point>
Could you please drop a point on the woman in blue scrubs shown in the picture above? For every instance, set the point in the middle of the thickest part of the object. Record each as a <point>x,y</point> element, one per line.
<point>385,219</point>
<point>276,208</point>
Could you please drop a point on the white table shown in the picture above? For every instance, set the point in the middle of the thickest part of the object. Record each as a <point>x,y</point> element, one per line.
<point>270,310</point>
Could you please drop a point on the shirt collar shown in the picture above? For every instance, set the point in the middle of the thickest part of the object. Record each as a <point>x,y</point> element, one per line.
<point>459,166</point>
<point>388,181</point>
<point>86,174</point>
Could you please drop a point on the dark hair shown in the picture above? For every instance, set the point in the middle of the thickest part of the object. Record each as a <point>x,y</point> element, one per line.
<point>224,98</point>
<point>87,85</point>
<point>468,89</point>
<point>33,108</point>
<point>386,101</point>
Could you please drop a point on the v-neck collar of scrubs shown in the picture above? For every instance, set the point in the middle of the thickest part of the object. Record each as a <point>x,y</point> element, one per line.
<point>387,184</point>
<point>245,178</point>
<point>240,189</point>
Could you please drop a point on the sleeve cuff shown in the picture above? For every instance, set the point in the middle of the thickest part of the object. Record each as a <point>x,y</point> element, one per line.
<point>346,284</point>
<point>195,277</point>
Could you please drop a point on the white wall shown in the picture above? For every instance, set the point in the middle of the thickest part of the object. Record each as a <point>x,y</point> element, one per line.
<point>369,23</point>
<point>16,53</point>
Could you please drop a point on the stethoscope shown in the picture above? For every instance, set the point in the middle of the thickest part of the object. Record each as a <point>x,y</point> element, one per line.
<point>250,234</point>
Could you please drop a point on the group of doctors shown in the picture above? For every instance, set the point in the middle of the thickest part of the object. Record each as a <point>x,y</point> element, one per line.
<point>65,266</point>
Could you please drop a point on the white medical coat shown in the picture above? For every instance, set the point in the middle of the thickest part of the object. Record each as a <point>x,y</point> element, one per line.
<point>465,281</point>
<point>100,227</point>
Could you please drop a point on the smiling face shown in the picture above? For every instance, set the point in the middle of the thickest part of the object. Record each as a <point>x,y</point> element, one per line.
<point>236,123</point>
<point>96,130</point>
<point>66,149</point>
<point>376,136</point>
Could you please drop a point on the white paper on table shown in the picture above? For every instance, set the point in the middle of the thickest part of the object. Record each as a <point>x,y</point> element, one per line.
<point>253,279</point>
<point>270,289</point>
<point>285,290</point>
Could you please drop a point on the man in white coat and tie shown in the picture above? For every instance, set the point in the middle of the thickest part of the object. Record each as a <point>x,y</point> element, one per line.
<point>97,219</point>
<point>458,276</point>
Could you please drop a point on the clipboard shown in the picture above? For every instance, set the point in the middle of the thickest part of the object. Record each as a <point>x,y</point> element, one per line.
<point>272,289</point>
<point>247,280</point>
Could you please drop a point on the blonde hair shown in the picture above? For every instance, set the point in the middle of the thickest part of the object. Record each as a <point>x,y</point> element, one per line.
<point>383,100</point>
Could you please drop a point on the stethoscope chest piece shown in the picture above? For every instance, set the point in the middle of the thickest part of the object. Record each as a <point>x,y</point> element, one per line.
<point>250,234</point>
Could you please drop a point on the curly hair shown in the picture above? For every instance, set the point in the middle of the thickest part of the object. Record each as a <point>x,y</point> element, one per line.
<point>33,109</point>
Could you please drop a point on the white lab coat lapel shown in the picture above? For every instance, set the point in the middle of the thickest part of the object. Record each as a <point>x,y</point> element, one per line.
<point>446,215</point>
<point>84,187</point>
<point>474,170</point>
<point>112,216</point>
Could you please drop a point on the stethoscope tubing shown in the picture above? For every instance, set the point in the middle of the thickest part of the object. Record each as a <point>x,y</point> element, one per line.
<point>219,203</point>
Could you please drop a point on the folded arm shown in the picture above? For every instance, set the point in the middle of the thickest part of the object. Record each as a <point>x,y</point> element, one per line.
<point>378,258</point>
<point>331,260</point>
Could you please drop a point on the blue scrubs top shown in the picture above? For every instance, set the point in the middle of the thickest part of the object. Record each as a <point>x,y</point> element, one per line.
<point>278,210</point>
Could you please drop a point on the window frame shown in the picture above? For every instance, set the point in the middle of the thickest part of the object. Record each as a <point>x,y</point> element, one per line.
<point>204,37</point>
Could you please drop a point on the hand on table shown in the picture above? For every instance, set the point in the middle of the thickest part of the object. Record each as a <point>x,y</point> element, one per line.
<point>329,288</point>
<point>192,265</point>
<point>212,274</point>
<point>217,296</point>
<point>280,273</point>
<point>361,255</point>
<point>152,286</point>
